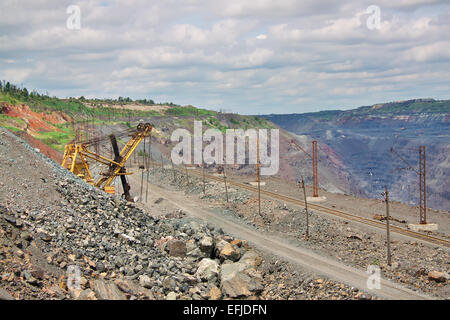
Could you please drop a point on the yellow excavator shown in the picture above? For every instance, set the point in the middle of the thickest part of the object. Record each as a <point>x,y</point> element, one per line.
<point>76,157</point>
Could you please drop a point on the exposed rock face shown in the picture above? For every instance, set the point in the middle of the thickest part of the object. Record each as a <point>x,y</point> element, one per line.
<point>364,137</point>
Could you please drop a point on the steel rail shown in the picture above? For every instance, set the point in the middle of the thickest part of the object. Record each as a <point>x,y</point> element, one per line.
<point>334,212</point>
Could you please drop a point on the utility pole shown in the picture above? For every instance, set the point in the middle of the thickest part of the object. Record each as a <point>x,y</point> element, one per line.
<point>315,182</point>
<point>257,158</point>
<point>258,175</point>
<point>187,174</point>
<point>314,158</point>
<point>386,195</point>
<point>422,185</point>
<point>142,167</point>
<point>225,181</point>
<point>203,172</point>
<point>148,165</point>
<point>173,169</point>
<point>422,181</point>
<point>150,151</point>
<point>306,208</point>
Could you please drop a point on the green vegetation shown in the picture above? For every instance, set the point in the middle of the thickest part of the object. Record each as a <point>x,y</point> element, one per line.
<point>11,123</point>
<point>234,121</point>
<point>56,139</point>
<point>108,112</point>
<point>213,122</point>
<point>76,107</point>
<point>403,107</point>
<point>189,111</point>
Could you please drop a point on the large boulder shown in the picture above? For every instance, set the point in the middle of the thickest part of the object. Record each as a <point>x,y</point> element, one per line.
<point>177,248</point>
<point>207,270</point>
<point>437,276</point>
<point>241,285</point>
<point>230,252</point>
<point>206,245</point>
<point>251,259</point>
<point>240,279</point>
<point>107,290</point>
<point>229,270</point>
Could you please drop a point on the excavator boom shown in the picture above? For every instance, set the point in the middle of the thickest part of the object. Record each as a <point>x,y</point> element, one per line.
<point>76,155</point>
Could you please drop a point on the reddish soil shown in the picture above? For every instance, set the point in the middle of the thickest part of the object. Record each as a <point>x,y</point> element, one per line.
<point>36,121</point>
<point>44,149</point>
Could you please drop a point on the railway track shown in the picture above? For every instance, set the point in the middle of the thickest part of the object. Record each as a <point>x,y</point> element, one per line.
<point>333,212</point>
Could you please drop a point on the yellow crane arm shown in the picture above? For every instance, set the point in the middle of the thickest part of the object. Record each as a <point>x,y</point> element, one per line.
<point>78,153</point>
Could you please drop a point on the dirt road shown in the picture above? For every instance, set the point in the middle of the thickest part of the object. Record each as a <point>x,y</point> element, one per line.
<point>277,246</point>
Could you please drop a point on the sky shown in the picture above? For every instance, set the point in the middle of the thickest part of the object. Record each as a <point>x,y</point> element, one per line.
<point>249,57</point>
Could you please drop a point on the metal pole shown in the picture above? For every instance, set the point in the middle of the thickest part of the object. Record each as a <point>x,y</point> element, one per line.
<point>315,179</point>
<point>225,180</point>
<point>259,192</point>
<point>148,167</point>
<point>257,174</point>
<point>257,157</point>
<point>203,172</point>
<point>306,208</point>
<point>150,151</point>
<point>423,185</point>
<point>142,167</point>
<point>187,174</point>
<point>173,169</point>
<point>386,193</point>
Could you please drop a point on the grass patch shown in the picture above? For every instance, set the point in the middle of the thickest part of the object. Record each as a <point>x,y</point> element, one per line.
<point>55,139</point>
<point>189,111</point>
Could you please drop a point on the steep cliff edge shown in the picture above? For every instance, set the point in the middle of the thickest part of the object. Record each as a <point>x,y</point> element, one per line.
<point>362,138</point>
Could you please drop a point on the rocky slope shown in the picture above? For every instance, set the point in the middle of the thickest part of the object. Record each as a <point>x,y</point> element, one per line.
<point>63,239</point>
<point>54,226</point>
<point>361,139</point>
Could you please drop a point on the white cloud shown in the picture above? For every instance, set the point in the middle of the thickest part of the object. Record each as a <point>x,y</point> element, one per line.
<point>249,56</point>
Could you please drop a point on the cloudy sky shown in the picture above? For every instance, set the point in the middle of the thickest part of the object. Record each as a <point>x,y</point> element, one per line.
<point>251,57</point>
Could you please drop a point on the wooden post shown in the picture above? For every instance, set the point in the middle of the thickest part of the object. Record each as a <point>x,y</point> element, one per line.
<point>150,150</point>
<point>225,181</point>
<point>173,169</point>
<point>258,174</point>
<point>187,174</point>
<point>306,208</point>
<point>257,158</point>
<point>147,164</point>
<point>203,172</point>
<point>386,194</point>
<point>259,191</point>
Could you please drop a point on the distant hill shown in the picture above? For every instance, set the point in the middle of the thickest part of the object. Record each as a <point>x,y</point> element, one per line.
<point>363,137</point>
